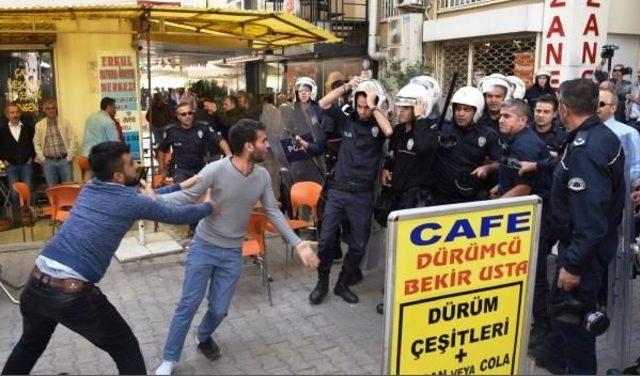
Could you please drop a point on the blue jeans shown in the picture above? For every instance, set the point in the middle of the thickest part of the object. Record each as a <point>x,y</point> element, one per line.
<point>57,171</point>
<point>207,264</point>
<point>19,173</point>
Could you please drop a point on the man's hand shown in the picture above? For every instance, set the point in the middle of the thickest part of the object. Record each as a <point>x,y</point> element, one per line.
<point>494,192</point>
<point>420,108</point>
<point>300,142</point>
<point>567,281</point>
<point>147,189</point>
<point>481,172</point>
<point>307,255</point>
<point>354,82</point>
<point>371,98</point>
<point>527,167</point>
<point>628,97</point>
<point>195,179</point>
<point>386,178</point>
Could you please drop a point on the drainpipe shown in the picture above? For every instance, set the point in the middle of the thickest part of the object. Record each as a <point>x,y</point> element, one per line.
<point>372,47</point>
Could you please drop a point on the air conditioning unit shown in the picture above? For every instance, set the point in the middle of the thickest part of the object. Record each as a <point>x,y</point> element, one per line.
<point>411,4</point>
<point>404,39</point>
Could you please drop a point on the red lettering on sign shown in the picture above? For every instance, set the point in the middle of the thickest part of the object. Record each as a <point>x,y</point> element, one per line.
<point>592,25</point>
<point>557,4</point>
<point>589,51</point>
<point>593,3</point>
<point>556,27</point>
<point>555,53</point>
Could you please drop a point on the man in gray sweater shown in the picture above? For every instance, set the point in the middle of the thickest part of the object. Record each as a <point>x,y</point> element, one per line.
<point>215,253</point>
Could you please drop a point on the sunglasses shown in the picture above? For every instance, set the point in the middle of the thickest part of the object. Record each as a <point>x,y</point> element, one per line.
<point>190,113</point>
<point>603,104</point>
<point>617,70</point>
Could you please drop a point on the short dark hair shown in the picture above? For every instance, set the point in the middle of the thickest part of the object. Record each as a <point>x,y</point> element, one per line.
<point>207,99</point>
<point>106,102</point>
<point>337,83</point>
<point>581,96</point>
<point>245,130</point>
<point>105,159</point>
<point>520,107</point>
<point>548,98</point>
<point>363,94</point>
<point>267,98</point>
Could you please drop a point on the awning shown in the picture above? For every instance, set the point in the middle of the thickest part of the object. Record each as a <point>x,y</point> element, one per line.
<point>212,27</point>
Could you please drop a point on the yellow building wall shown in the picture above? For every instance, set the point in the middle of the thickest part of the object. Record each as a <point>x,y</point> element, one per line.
<point>76,65</point>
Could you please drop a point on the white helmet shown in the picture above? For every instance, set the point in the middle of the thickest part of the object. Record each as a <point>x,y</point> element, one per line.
<point>490,82</point>
<point>543,72</point>
<point>309,82</point>
<point>518,87</point>
<point>424,87</point>
<point>370,84</point>
<point>470,96</point>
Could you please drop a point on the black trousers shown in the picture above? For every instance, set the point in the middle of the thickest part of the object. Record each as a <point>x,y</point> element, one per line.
<point>357,208</point>
<point>87,313</point>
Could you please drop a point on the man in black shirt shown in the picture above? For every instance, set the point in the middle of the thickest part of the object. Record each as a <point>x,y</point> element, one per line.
<point>544,113</point>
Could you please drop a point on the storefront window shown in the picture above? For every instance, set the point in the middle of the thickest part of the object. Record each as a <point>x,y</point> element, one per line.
<point>26,78</point>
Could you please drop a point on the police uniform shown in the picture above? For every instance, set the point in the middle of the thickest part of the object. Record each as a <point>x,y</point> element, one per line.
<point>189,146</point>
<point>411,161</point>
<point>553,138</point>
<point>351,190</point>
<point>587,200</point>
<point>527,146</point>
<point>486,121</point>
<point>460,152</point>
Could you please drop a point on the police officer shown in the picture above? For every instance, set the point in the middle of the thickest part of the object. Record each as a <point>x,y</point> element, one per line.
<point>408,167</point>
<point>189,142</point>
<point>351,186</point>
<point>587,199</point>
<point>495,89</point>
<point>520,143</point>
<point>465,146</point>
<point>544,113</point>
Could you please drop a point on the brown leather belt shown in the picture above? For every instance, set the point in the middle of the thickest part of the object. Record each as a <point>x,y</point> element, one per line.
<point>69,285</point>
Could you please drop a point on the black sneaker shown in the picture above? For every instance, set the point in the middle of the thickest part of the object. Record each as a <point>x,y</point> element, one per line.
<point>210,349</point>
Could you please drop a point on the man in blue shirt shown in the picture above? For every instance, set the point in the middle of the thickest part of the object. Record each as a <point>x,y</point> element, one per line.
<point>629,137</point>
<point>100,126</point>
<point>61,288</point>
<point>521,143</point>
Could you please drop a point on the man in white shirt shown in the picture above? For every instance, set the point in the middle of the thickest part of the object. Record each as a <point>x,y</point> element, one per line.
<point>628,136</point>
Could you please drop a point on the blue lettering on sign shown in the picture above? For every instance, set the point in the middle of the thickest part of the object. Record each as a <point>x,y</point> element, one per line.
<point>428,233</point>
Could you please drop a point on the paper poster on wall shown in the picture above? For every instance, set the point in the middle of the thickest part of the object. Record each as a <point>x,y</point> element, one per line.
<point>117,75</point>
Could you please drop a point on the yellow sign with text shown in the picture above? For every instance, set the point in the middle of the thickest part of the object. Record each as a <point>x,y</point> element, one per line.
<point>460,277</point>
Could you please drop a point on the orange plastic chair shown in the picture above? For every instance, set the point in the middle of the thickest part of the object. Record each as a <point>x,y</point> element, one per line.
<point>61,197</point>
<point>304,193</point>
<point>27,213</point>
<point>83,163</point>
<point>255,246</point>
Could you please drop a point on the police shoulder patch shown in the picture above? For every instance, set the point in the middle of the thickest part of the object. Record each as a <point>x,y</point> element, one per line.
<point>375,131</point>
<point>410,144</point>
<point>200,133</point>
<point>576,184</point>
<point>482,141</point>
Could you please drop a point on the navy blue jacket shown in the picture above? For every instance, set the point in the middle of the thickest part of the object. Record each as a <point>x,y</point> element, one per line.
<point>524,146</point>
<point>588,195</point>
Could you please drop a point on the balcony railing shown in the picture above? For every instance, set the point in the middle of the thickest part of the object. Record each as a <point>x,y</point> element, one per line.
<point>458,4</point>
<point>346,19</point>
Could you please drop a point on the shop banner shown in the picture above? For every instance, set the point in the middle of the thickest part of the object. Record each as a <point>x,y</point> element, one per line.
<point>117,75</point>
<point>460,287</point>
<point>572,37</point>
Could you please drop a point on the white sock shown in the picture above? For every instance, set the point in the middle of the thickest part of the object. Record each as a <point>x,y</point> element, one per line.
<point>166,368</point>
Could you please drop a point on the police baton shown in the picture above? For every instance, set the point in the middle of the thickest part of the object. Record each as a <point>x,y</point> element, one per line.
<point>447,101</point>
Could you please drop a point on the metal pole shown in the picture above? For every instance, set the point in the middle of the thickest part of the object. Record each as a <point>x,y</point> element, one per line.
<point>149,116</point>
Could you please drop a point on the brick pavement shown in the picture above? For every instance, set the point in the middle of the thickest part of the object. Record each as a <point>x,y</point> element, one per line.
<point>292,337</point>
